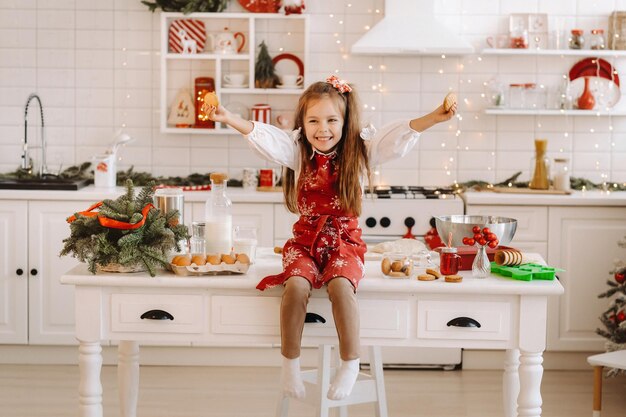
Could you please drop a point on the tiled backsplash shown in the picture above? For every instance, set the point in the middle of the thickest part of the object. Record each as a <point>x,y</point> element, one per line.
<point>95,65</point>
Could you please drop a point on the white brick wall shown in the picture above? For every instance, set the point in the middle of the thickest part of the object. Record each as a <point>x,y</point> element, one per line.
<point>95,65</point>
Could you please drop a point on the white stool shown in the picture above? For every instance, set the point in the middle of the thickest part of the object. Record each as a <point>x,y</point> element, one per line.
<point>615,359</point>
<point>369,388</point>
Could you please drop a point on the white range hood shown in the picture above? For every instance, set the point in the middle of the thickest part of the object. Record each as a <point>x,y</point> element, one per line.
<point>411,28</point>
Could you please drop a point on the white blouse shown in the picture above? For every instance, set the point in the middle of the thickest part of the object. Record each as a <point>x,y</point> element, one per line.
<point>393,141</point>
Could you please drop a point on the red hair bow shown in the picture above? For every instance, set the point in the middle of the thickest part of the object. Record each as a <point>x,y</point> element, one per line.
<point>341,85</point>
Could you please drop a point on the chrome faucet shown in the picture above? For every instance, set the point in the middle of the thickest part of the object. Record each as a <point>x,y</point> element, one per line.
<point>27,162</point>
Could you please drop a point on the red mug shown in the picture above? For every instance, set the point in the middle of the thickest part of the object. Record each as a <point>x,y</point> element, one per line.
<point>268,177</point>
<point>262,113</point>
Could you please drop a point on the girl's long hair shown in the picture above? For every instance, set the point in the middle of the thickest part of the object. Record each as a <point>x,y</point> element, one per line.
<point>351,150</point>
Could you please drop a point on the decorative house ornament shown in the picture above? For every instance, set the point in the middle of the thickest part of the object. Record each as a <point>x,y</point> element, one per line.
<point>182,112</point>
<point>187,36</point>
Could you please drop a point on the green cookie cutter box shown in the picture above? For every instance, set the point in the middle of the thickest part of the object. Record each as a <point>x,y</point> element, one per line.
<point>525,272</point>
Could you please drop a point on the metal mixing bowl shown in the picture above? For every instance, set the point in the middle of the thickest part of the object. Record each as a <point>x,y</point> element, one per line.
<point>460,226</point>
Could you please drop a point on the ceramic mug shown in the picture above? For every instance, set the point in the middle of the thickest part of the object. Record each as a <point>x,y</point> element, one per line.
<point>262,113</point>
<point>498,41</point>
<point>292,80</point>
<point>250,180</point>
<point>235,79</point>
<point>268,177</point>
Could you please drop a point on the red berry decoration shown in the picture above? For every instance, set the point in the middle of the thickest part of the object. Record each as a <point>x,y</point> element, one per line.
<point>465,239</point>
<point>476,229</point>
<point>493,244</point>
<point>470,242</point>
<point>620,276</point>
<point>491,237</point>
<point>478,236</point>
<point>486,230</point>
<point>621,316</point>
<point>482,241</point>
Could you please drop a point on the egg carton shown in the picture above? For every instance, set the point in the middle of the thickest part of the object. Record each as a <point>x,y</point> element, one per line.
<point>237,268</point>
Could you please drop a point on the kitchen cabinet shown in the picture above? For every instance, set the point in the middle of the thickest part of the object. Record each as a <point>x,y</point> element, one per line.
<point>285,36</point>
<point>582,241</point>
<point>13,272</point>
<point>259,215</point>
<point>37,309</point>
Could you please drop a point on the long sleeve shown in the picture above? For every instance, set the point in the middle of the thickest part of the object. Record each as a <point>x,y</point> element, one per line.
<point>393,141</point>
<point>274,145</point>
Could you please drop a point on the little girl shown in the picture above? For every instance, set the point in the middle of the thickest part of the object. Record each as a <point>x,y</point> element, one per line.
<point>325,160</point>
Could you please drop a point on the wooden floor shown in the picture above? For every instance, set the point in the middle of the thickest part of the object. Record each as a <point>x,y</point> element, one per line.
<point>51,391</point>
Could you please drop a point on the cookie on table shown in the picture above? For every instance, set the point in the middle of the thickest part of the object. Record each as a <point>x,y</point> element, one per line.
<point>453,278</point>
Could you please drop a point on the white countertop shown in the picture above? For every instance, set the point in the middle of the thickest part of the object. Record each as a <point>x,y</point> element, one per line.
<point>239,195</point>
<point>91,193</point>
<point>269,263</point>
<point>577,198</point>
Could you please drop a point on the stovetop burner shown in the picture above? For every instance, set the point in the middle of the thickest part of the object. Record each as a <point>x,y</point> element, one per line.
<point>411,192</point>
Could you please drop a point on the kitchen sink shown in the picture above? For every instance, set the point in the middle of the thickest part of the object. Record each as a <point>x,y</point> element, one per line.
<point>46,183</point>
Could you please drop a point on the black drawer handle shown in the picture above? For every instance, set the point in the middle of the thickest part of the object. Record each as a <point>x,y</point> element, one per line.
<point>157,315</point>
<point>33,272</point>
<point>463,322</point>
<point>19,271</point>
<point>314,318</point>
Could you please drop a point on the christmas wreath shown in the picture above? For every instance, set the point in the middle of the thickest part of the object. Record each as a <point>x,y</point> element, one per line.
<point>128,231</point>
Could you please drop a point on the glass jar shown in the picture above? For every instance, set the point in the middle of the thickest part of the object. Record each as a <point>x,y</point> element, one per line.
<point>449,261</point>
<point>218,228</point>
<point>561,177</point>
<point>517,96</point>
<point>396,265</point>
<point>540,166</point>
<point>596,41</point>
<point>576,40</point>
<point>197,244</point>
<point>519,38</point>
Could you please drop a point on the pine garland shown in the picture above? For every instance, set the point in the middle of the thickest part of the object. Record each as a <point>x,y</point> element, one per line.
<point>148,245</point>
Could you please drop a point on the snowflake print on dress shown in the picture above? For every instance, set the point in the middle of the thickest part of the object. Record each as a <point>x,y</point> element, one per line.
<point>340,263</point>
<point>290,256</point>
<point>305,208</point>
<point>336,203</point>
<point>296,272</point>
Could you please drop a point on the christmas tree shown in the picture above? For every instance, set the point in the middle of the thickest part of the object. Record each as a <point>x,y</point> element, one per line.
<point>264,74</point>
<point>128,231</point>
<point>614,318</point>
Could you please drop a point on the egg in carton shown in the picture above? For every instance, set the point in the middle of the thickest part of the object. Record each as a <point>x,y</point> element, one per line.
<point>212,264</point>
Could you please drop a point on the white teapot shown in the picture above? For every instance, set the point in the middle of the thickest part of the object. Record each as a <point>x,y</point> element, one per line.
<point>226,42</point>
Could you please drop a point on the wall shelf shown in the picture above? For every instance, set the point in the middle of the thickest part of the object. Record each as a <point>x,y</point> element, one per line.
<point>555,52</point>
<point>545,112</point>
<point>277,30</point>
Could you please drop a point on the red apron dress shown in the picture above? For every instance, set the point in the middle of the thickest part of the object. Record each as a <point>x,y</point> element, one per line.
<point>327,239</point>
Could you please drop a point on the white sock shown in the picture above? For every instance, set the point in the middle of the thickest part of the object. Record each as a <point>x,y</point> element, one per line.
<point>292,379</point>
<point>344,380</point>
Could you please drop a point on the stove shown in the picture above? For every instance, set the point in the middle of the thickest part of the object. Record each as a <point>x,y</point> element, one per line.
<point>393,212</point>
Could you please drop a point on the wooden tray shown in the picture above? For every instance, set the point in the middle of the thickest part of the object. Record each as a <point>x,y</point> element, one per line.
<point>515,190</point>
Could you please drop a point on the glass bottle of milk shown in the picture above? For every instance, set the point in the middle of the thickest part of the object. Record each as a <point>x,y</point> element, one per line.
<point>218,227</point>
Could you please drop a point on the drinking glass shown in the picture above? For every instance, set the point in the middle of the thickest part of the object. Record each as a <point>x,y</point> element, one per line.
<point>245,241</point>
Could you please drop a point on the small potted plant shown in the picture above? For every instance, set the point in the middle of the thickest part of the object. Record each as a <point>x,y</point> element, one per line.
<point>127,234</point>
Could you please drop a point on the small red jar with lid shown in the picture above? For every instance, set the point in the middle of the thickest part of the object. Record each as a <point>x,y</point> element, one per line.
<point>449,261</point>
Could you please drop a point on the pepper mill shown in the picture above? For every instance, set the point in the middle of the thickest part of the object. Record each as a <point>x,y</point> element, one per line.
<point>540,166</point>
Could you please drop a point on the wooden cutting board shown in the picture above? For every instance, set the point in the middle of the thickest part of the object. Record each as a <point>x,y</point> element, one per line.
<point>515,190</point>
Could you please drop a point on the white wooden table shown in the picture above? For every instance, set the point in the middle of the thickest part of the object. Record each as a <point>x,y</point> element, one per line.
<point>229,311</point>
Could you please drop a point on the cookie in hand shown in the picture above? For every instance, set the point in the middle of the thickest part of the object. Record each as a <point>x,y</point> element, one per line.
<point>449,101</point>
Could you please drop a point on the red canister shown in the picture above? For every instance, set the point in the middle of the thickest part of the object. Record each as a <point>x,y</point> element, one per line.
<point>449,261</point>
<point>203,86</point>
<point>262,113</point>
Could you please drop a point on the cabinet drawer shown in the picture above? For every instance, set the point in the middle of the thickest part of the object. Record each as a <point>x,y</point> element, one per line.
<point>433,317</point>
<point>261,316</point>
<point>187,312</point>
<point>532,221</point>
